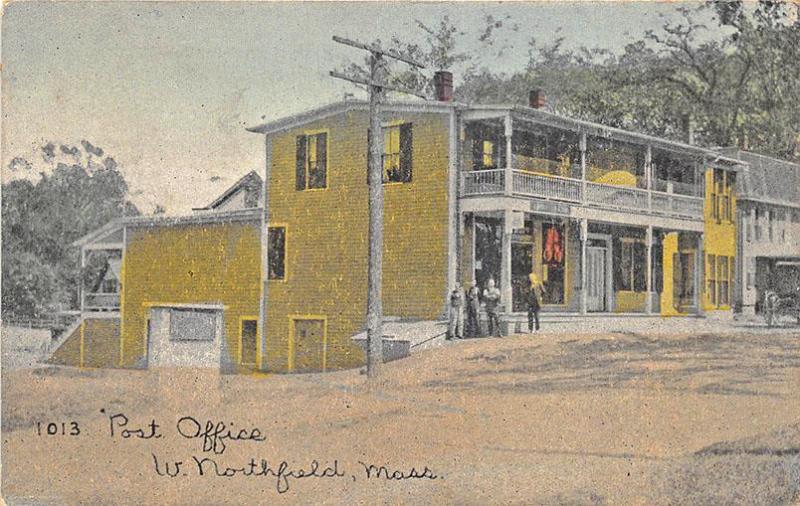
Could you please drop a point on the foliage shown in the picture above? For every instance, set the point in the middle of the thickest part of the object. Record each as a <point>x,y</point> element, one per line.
<point>733,84</point>
<point>81,191</point>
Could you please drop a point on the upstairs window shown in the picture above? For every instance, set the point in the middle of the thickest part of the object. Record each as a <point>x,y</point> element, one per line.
<point>311,167</point>
<point>397,153</point>
<point>276,261</point>
<point>487,144</point>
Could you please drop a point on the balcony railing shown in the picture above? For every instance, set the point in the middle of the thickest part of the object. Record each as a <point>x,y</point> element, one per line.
<point>101,302</point>
<point>483,182</point>
<point>550,187</point>
<point>526,184</point>
<point>621,197</point>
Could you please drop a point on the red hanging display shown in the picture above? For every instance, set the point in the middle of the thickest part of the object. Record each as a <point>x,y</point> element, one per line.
<point>553,251</point>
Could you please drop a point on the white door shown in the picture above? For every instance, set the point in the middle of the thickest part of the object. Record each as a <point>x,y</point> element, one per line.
<point>596,278</point>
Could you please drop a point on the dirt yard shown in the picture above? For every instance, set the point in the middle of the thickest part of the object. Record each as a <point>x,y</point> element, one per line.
<point>545,419</point>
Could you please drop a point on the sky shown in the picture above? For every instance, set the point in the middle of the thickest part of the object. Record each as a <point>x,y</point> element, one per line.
<point>168,88</point>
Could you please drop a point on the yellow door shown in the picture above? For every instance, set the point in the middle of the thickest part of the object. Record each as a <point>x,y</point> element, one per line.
<point>308,345</point>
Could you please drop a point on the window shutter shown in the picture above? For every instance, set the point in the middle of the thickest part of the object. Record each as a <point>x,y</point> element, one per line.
<point>322,160</point>
<point>406,152</point>
<point>300,163</point>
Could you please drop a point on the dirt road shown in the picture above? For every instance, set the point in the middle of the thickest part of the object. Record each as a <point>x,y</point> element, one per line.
<point>545,419</point>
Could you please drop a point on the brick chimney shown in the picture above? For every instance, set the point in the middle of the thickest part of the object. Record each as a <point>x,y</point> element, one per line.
<point>536,99</point>
<point>443,83</point>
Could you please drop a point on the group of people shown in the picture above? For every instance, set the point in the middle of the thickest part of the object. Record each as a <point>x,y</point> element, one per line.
<point>468,304</point>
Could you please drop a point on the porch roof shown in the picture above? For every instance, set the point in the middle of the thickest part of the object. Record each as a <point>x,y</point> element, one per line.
<point>539,116</point>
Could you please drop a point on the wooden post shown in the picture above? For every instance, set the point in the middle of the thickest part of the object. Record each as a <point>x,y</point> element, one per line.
<point>582,146</point>
<point>505,263</point>
<point>649,272</point>
<point>584,232</point>
<point>262,309</point>
<point>648,175</point>
<point>374,270</point>
<point>509,175</point>
<point>699,276</point>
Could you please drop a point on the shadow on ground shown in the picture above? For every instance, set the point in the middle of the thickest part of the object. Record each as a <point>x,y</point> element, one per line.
<point>703,363</point>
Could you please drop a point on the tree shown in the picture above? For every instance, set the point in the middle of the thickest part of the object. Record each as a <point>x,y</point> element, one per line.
<point>733,84</point>
<point>81,190</point>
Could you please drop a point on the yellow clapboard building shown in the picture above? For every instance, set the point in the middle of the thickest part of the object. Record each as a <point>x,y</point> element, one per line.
<point>611,221</point>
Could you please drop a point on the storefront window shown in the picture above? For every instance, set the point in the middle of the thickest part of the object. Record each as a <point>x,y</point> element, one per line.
<point>553,263</point>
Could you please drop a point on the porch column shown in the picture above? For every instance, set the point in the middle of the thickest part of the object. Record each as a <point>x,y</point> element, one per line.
<point>649,274</point>
<point>509,175</point>
<point>648,175</point>
<point>699,276</point>
<point>505,261</point>
<point>582,146</point>
<point>584,240</point>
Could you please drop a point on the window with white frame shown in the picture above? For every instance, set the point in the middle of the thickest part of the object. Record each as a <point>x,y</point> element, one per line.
<point>633,265</point>
<point>397,153</point>
<point>311,163</point>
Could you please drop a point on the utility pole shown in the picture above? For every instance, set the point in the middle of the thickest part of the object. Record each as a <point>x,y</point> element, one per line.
<point>377,87</point>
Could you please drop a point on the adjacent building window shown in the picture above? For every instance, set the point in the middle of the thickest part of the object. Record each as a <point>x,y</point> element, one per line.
<point>751,272</point>
<point>276,253</point>
<point>720,279</point>
<point>249,342</point>
<point>757,224</point>
<point>397,153</point>
<point>633,265</point>
<point>311,168</point>
<point>711,275</point>
<point>723,280</point>
<point>771,225</point>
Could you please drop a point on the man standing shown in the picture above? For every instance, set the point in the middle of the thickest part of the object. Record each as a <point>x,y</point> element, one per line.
<point>473,310</point>
<point>491,295</point>
<point>455,329</point>
<point>535,293</point>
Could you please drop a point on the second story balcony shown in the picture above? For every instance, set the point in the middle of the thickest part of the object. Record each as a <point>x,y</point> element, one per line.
<point>573,167</point>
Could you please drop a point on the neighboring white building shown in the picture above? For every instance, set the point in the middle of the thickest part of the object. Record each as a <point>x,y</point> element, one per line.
<point>768,216</point>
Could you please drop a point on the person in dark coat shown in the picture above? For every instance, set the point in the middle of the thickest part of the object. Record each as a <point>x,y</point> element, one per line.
<point>473,310</point>
<point>534,301</point>
<point>455,328</point>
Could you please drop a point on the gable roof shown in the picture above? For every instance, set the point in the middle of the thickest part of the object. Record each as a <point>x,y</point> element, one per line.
<point>249,180</point>
<point>769,180</point>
